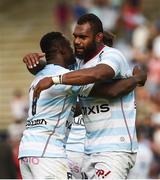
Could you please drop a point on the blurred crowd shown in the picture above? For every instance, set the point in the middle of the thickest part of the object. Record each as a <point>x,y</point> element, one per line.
<point>139,40</point>
<point>9,142</point>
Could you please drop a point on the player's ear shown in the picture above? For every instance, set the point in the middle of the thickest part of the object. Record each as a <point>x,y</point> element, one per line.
<point>99,37</point>
<point>61,50</point>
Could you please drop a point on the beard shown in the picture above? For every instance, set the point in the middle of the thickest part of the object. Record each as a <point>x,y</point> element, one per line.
<point>90,50</point>
<point>87,51</point>
<point>79,56</point>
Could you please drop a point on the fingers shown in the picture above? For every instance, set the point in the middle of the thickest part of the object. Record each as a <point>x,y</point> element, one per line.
<point>27,61</point>
<point>34,59</point>
<point>43,84</point>
<point>41,55</point>
<point>31,60</point>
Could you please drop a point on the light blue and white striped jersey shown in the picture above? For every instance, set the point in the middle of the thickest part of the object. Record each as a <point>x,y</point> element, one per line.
<point>45,129</point>
<point>110,124</point>
<point>76,136</point>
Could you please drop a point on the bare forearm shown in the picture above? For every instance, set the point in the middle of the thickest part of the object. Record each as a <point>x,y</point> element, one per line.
<point>89,75</point>
<point>98,73</point>
<point>80,77</point>
<point>115,89</point>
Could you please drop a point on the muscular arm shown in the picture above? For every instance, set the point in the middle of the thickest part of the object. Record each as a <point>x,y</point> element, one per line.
<point>114,89</point>
<point>90,75</point>
<point>121,87</point>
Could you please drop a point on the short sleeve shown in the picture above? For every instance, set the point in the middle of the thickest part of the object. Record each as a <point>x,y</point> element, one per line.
<point>112,58</point>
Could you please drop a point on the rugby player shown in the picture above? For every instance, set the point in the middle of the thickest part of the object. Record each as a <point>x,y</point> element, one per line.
<point>41,152</point>
<point>111,142</point>
<point>75,145</point>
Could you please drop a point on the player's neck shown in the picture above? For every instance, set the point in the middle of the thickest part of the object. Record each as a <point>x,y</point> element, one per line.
<point>57,60</point>
<point>94,53</point>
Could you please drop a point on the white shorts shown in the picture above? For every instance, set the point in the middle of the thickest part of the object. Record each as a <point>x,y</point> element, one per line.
<point>108,165</point>
<point>75,160</point>
<point>44,168</point>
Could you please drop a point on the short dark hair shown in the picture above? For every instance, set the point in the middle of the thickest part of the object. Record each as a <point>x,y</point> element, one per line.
<point>50,41</point>
<point>93,20</point>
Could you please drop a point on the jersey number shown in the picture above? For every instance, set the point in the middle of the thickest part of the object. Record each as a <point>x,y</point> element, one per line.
<point>34,105</point>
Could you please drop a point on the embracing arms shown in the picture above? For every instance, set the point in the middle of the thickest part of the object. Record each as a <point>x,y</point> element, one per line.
<point>114,89</point>
<point>95,74</point>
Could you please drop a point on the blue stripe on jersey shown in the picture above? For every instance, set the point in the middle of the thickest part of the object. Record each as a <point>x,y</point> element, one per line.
<point>117,115</point>
<point>110,132</point>
<point>36,153</point>
<point>78,129</point>
<point>75,147</point>
<point>52,101</point>
<point>111,147</point>
<point>50,116</point>
<point>72,139</point>
<point>41,139</point>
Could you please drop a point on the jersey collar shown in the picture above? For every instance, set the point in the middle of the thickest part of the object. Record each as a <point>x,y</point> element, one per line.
<point>95,53</point>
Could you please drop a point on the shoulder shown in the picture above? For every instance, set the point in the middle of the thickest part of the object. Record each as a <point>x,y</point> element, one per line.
<point>49,70</point>
<point>52,70</point>
<point>61,70</point>
<point>109,51</point>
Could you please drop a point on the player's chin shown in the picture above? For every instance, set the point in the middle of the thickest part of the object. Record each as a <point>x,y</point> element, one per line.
<point>79,55</point>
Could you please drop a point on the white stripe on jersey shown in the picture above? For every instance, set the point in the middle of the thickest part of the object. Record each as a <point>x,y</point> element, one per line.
<point>110,140</point>
<point>102,124</point>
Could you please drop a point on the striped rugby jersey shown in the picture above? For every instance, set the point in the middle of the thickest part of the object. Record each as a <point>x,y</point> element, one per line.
<point>76,138</point>
<point>110,124</point>
<point>76,134</point>
<point>44,135</point>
